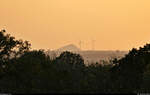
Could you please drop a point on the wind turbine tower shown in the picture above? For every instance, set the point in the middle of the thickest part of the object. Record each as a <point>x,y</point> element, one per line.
<point>80,44</point>
<point>93,44</point>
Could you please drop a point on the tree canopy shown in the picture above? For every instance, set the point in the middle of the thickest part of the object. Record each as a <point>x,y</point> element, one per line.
<point>23,70</point>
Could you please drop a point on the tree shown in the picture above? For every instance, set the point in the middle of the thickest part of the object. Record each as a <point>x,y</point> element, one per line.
<point>128,73</point>
<point>10,48</point>
<point>30,68</point>
<point>70,58</point>
<point>145,86</point>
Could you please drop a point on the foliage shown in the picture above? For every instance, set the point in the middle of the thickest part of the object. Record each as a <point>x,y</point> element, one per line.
<point>128,72</point>
<point>31,71</point>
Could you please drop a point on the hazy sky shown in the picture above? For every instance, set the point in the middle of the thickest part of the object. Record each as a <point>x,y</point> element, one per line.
<point>114,24</point>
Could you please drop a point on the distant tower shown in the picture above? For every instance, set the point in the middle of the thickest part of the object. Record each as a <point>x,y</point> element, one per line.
<point>93,44</point>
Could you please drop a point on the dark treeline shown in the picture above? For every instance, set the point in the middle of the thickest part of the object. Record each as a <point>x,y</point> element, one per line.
<point>23,70</point>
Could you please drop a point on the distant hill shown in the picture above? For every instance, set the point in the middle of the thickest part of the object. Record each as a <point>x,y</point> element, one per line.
<point>69,47</point>
<point>89,56</point>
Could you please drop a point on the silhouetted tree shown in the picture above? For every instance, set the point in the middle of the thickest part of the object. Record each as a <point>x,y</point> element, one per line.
<point>70,58</point>
<point>9,47</point>
<point>128,74</point>
<point>10,50</point>
<point>145,85</point>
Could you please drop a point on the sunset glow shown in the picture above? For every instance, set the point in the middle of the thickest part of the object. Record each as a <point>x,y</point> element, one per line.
<point>50,24</point>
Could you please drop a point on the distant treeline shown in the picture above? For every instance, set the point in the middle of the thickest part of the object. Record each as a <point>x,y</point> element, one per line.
<point>23,70</point>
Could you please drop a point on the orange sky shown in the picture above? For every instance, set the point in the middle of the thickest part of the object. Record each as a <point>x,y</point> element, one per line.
<point>114,24</point>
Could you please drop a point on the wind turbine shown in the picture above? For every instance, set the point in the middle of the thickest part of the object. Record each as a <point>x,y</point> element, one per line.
<point>80,44</point>
<point>93,44</point>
